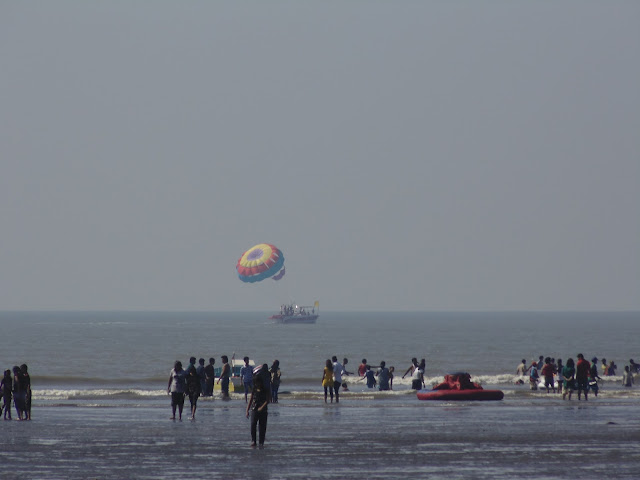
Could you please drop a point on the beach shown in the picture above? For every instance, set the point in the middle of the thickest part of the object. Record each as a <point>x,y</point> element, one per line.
<point>101,409</point>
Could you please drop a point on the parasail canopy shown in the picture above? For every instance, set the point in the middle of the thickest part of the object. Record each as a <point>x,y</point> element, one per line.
<point>259,262</point>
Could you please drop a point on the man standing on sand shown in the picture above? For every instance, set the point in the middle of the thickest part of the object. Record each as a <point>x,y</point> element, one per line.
<point>583,368</point>
<point>209,377</point>
<point>224,377</point>
<point>200,373</point>
<point>246,373</point>
<point>176,388</point>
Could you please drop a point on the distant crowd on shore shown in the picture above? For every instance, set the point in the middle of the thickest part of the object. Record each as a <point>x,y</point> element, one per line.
<point>333,372</point>
<point>199,380</point>
<point>581,375</point>
<point>16,385</point>
<point>260,384</point>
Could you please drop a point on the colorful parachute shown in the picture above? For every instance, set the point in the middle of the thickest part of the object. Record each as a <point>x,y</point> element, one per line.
<point>260,262</point>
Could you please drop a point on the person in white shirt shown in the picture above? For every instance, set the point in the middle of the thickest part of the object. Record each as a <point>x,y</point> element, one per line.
<point>338,370</point>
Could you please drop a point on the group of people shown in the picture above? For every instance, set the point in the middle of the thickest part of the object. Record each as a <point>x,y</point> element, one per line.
<point>16,385</point>
<point>261,388</point>
<point>332,377</point>
<point>333,372</point>
<point>581,375</point>
<point>383,377</point>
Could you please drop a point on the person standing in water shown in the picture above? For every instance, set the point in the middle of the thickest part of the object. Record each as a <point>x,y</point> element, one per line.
<point>327,379</point>
<point>26,386</point>
<point>246,373</point>
<point>19,395</point>
<point>547,373</point>
<point>193,388</point>
<point>362,369</point>
<point>568,377</point>
<point>209,377</point>
<point>337,376</point>
<point>370,377</point>
<point>7,390</point>
<point>383,377</point>
<point>176,388</point>
<point>224,377</point>
<point>257,407</point>
<point>275,380</point>
<point>594,377</point>
<point>200,371</point>
<point>583,369</point>
<point>412,367</point>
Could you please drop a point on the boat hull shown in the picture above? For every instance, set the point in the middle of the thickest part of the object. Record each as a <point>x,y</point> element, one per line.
<point>294,318</point>
<point>479,395</point>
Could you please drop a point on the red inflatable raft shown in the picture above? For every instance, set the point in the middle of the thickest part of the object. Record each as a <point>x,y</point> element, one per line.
<point>458,386</point>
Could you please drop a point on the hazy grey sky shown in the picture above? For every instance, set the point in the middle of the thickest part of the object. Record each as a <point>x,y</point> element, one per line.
<point>404,155</point>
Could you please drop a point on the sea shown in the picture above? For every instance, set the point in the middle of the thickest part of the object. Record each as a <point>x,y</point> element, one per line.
<point>101,409</point>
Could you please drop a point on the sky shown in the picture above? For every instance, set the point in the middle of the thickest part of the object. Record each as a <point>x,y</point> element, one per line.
<point>406,155</point>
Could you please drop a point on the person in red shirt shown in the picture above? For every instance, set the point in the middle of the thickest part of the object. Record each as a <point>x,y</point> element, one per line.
<point>548,372</point>
<point>582,375</point>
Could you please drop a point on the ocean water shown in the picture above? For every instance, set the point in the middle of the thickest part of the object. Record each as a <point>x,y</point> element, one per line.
<point>101,409</point>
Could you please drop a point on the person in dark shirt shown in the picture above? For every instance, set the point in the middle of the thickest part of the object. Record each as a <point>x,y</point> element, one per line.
<point>193,389</point>
<point>583,368</point>
<point>547,373</point>
<point>257,408</point>
<point>7,390</point>
<point>209,377</point>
